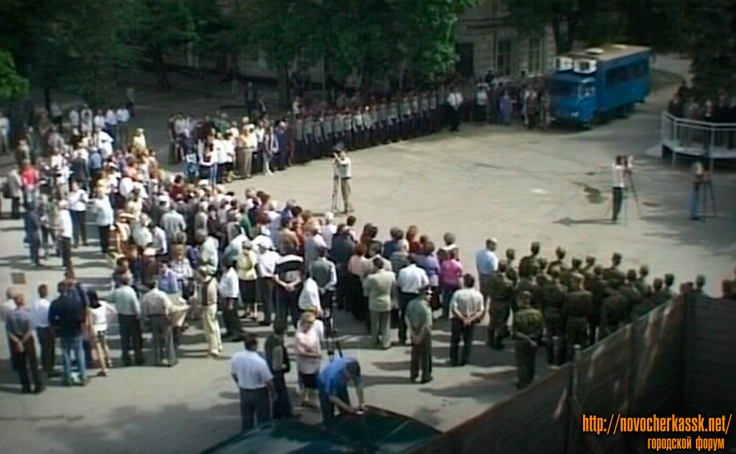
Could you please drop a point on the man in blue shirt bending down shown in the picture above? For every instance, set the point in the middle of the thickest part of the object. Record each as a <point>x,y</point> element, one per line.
<point>333,387</point>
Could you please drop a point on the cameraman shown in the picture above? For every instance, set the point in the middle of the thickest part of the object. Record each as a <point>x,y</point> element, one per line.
<point>344,173</point>
<point>699,178</point>
<point>620,167</point>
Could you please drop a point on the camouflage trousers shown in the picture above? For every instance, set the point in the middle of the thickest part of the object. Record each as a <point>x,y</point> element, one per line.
<point>526,356</point>
<point>576,333</point>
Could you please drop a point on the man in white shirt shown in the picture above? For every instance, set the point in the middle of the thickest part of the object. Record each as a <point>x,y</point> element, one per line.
<point>481,102</point>
<point>4,134</point>
<point>329,229</point>
<point>123,117</point>
<point>619,171</point>
<point>313,243</point>
<point>255,380</point>
<point>344,168</point>
<point>266,267</point>
<point>410,282</point>
<point>66,232</point>
<point>251,144</point>
<point>466,310</point>
<point>454,101</point>
<point>85,120</point>
<point>46,339</point>
<point>111,122</point>
<point>229,289</point>
<point>309,297</point>
<point>104,216</point>
<point>74,118</point>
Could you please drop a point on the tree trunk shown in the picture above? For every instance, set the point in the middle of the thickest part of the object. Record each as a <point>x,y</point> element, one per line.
<point>162,73</point>
<point>282,83</point>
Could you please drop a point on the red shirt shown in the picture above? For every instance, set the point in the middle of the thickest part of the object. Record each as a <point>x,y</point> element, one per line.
<point>29,177</point>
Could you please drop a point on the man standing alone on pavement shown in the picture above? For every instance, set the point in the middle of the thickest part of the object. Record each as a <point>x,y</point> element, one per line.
<point>466,310</point>
<point>419,323</point>
<point>344,167</point>
<point>22,346</point>
<point>254,379</point>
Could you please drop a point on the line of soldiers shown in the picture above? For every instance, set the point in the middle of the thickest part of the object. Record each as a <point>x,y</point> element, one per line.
<point>365,125</point>
<point>560,305</point>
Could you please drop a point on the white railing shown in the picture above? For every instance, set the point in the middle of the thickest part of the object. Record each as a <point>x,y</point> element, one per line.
<point>698,138</point>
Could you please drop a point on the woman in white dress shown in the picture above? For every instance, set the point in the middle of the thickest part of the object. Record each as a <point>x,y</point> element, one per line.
<point>308,346</point>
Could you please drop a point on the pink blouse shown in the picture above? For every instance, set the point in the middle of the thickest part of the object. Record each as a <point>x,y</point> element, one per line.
<point>451,273</point>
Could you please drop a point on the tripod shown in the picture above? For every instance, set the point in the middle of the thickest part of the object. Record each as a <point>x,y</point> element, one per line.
<point>632,188</point>
<point>331,340</point>
<point>707,194</point>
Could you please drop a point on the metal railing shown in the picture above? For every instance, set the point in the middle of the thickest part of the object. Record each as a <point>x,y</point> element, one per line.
<point>698,138</point>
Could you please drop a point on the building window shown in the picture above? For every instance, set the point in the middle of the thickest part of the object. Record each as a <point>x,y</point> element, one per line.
<point>534,56</point>
<point>503,58</point>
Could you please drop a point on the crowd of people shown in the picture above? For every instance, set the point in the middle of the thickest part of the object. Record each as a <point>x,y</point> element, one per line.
<point>186,251</point>
<point>717,109</point>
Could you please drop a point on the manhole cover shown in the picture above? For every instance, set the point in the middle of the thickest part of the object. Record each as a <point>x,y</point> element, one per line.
<point>18,278</point>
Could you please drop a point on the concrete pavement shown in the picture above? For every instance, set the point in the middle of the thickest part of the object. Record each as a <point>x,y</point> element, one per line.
<point>518,186</point>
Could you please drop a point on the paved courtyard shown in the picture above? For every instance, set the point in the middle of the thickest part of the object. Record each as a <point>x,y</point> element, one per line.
<point>504,182</point>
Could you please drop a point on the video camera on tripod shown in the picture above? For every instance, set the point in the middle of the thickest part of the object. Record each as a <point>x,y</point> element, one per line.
<point>627,162</point>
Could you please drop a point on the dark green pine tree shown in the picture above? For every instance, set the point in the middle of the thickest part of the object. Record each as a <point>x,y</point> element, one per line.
<point>714,52</point>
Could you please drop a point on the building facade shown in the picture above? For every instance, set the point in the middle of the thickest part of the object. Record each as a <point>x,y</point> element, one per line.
<point>486,40</point>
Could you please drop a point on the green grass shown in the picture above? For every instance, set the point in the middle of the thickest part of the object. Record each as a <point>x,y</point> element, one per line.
<point>664,79</point>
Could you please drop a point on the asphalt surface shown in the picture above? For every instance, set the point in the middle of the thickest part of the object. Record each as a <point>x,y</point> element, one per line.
<point>518,186</point>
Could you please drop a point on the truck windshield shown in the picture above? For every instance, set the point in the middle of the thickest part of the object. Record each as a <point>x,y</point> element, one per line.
<point>564,89</point>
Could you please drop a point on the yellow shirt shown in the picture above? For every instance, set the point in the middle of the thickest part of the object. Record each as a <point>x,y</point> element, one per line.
<point>246,265</point>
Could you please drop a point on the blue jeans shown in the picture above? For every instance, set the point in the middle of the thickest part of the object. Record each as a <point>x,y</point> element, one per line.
<point>69,344</point>
<point>694,203</point>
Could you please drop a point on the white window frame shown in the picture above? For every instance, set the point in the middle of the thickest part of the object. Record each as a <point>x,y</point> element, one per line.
<point>508,56</point>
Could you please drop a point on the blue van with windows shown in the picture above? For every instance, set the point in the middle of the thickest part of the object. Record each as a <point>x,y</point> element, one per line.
<point>596,84</point>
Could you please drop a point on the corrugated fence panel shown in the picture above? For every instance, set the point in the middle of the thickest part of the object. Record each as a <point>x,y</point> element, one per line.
<point>540,410</point>
<point>711,336</point>
<point>659,361</point>
<point>603,381</point>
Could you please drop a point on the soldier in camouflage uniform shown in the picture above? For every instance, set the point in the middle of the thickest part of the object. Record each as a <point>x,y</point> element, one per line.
<point>589,264</point>
<point>551,298</point>
<point>641,281</point>
<point>647,303</point>
<point>699,285</point>
<point>527,329</point>
<point>511,272</point>
<point>575,268</point>
<point>576,310</point>
<point>542,275</point>
<point>560,261</point>
<point>614,271</point>
<point>629,291</point>
<point>669,281</point>
<point>529,260</point>
<point>501,290</point>
<point>658,295</point>
<point>597,287</point>
<point>614,310</point>
<point>527,284</point>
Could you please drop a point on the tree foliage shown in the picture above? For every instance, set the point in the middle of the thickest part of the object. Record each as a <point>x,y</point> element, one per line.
<point>12,85</point>
<point>713,53</point>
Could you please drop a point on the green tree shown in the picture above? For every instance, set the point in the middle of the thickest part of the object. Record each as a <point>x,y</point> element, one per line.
<point>714,59</point>
<point>12,85</point>
<point>162,25</point>
<point>668,26</point>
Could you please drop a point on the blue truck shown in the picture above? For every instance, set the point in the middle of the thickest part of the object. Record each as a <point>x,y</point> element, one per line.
<point>595,84</point>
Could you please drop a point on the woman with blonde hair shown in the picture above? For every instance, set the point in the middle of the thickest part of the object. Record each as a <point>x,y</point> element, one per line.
<point>308,346</point>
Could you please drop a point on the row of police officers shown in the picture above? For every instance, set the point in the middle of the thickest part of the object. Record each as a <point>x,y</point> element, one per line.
<point>360,126</point>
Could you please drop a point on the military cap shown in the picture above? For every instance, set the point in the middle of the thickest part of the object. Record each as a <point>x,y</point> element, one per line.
<point>576,262</point>
<point>643,270</point>
<point>535,245</point>
<point>616,257</point>
<point>590,259</point>
<point>510,252</point>
<point>631,275</point>
<point>700,280</point>
<point>658,283</point>
<point>669,278</point>
<point>598,270</point>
